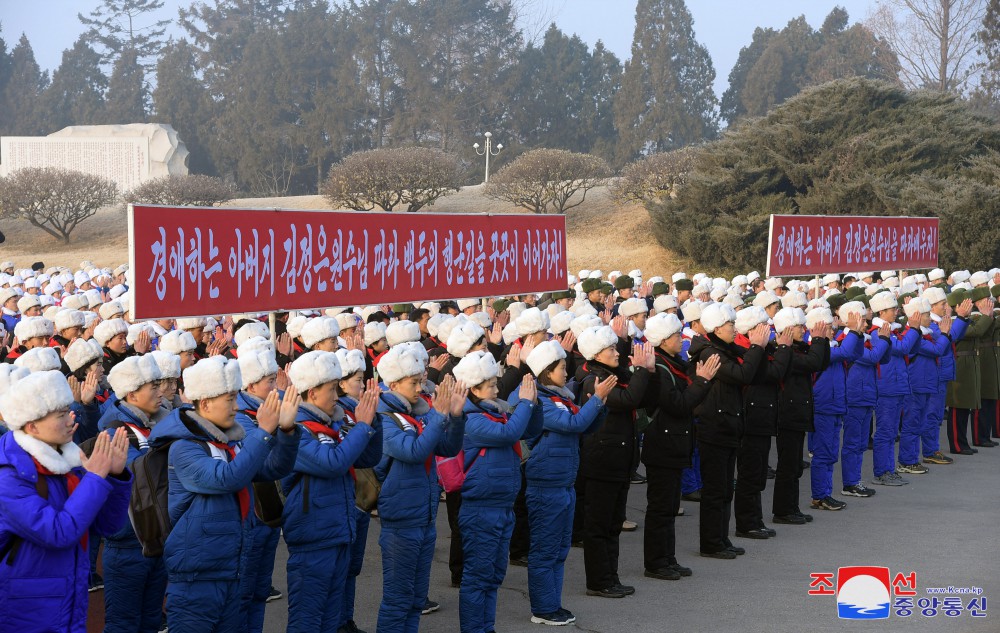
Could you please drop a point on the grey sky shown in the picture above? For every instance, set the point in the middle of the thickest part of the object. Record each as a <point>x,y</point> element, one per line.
<point>724,26</point>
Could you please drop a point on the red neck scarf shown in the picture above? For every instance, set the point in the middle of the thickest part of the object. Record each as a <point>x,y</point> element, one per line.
<point>72,481</point>
<point>419,428</point>
<point>501,418</point>
<point>243,496</point>
<point>320,429</point>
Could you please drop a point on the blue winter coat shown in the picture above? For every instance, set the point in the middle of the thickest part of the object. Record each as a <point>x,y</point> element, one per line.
<point>410,489</point>
<point>10,321</point>
<point>325,517</point>
<point>555,453</point>
<point>893,379</point>
<point>830,388</point>
<point>209,540</point>
<point>862,376</point>
<point>45,589</point>
<point>87,416</point>
<point>946,370</point>
<point>923,366</point>
<point>492,455</point>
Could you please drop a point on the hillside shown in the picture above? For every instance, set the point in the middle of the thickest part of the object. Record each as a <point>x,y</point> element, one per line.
<point>599,234</point>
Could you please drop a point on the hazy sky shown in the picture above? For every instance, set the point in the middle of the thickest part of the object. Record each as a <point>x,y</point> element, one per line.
<point>724,26</point>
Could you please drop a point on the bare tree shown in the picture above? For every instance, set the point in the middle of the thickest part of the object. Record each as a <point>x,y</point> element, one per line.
<point>935,40</point>
<point>548,178</point>
<point>387,178</point>
<point>54,200</point>
<point>177,190</point>
<point>654,177</point>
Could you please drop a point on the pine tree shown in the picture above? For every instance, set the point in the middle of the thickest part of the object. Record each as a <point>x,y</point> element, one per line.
<point>181,101</point>
<point>604,80</point>
<point>732,107</point>
<point>666,100</point>
<point>76,94</point>
<point>127,93</point>
<point>987,95</point>
<point>117,26</point>
<point>20,114</point>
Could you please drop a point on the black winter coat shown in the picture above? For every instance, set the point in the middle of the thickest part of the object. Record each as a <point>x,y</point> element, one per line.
<point>795,401</point>
<point>761,397</point>
<point>720,415</point>
<point>668,441</point>
<point>612,452</point>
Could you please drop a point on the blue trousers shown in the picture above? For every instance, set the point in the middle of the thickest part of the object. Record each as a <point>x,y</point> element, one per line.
<point>363,520</point>
<point>931,436</point>
<point>914,427</point>
<point>406,573</point>
<point>691,477</point>
<point>887,412</point>
<point>486,533</point>
<point>204,606</point>
<point>255,583</point>
<point>550,518</point>
<point>316,588</point>
<point>852,451</point>
<point>134,587</point>
<point>826,449</point>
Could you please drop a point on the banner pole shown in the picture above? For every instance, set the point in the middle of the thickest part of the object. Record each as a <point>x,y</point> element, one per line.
<point>272,320</point>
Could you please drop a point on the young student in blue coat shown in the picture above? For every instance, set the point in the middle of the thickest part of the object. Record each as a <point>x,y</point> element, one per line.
<point>134,585</point>
<point>52,500</point>
<point>259,372</point>
<point>414,432</point>
<point>862,385</point>
<point>492,453</point>
<point>212,462</point>
<point>551,472</point>
<point>946,370</point>
<point>351,387</point>
<point>319,493</point>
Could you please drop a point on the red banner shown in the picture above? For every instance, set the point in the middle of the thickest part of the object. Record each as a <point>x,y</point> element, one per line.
<point>196,262</point>
<point>819,244</point>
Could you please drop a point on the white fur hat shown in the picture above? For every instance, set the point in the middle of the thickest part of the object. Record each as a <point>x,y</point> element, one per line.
<point>402,332</point>
<point>33,397</point>
<point>964,286</point>
<point>753,276</point>
<point>817,316</point>
<point>462,337</point>
<point>596,274</point>
<point>31,327</point>
<point>581,323</point>
<point>134,372</point>
<point>583,308</point>
<point>117,291</point>
<point>733,301</point>
<point>7,294</point>
<point>960,276</point>
<point>351,361</point>
<point>476,368</point>
<point>912,308</point>
<point>467,303</point>
<point>515,309</point>
<point>935,295</point>
<point>346,320</point>
<point>82,352</point>
<point>39,359</point>
<point>632,307</point>
<point>435,322</point>
<point>483,320</point>
<point>211,377</point>
<point>793,300</point>
<point>883,301</point>
<point>765,298</point>
<point>717,294</point>
<point>431,306</point>
<point>817,303</point>
<point>416,348</point>
<point>831,278</point>
<point>176,341</point>
<point>255,345</point>
<point>715,315</point>
<point>664,303</point>
<point>50,313</point>
<point>107,330</point>
<point>9,374</point>
<point>554,309</point>
<point>318,330</point>
<point>662,326</point>
<point>786,318</point>
<point>851,307</point>
<point>979,278</point>
<point>69,318</point>
<point>111,310</point>
<point>191,324</point>
<point>890,282</point>
<point>532,320</point>
<point>740,280</point>
<point>561,322</point>
<point>374,332</point>
<point>335,312</point>
<point>700,289</point>
<point>251,330</point>
<point>510,333</point>
<point>400,362</point>
<point>313,369</point>
<point>94,299</point>
<point>677,277</point>
<point>255,364</point>
<point>169,364</point>
<point>936,274</point>
<point>28,302</point>
<point>692,310</point>
<point>873,289</point>
<point>135,329</point>
<point>445,328</point>
<point>295,325</point>
<point>544,354</point>
<point>595,339</point>
<point>749,318</point>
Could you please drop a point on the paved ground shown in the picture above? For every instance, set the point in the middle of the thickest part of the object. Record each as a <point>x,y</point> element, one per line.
<point>942,527</point>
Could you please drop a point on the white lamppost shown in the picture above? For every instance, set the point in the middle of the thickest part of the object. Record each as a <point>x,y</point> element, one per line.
<point>487,152</point>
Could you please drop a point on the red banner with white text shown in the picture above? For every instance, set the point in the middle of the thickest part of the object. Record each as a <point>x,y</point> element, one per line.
<point>189,261</point>
<point>819,244</point>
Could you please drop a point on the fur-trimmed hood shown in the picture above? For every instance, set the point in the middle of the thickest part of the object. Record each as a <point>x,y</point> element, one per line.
<point>193,427</point>
<point>17,448</point>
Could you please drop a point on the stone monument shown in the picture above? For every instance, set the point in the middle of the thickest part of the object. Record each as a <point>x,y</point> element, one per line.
<point>126,154</point>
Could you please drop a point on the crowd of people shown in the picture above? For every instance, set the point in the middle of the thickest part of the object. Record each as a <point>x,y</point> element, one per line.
<point>189,447</point>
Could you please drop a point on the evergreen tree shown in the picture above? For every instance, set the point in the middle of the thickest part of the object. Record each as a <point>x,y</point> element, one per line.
<point>666,100</point>
<point>117,26</point>
<point>20,112</point>
<point>732,107</point>
<point>181,101</point>
<point>127,94</point>
<point>376,25</point>
<point>603,81</point>
<point>986,97</point>
<point>76,94</point>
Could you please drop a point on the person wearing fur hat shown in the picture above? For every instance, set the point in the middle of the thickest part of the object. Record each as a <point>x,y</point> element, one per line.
<point>69,325</point>
<point>112,337</point>
<point>212,462</point>
<point>492,464</point>
<point>551,471</point>
<point>134,584</point>
<point>719,418</point>
<point>376,345</point>
<point>53,499</point>
<point>319,494</point>
<point>195,327</point>
<point>669,441</point>
<point>610,455</point>
<point>181,344</point>
<point>29,333</point>
<point>414,432</point>
<point>85,374</point>
<point>964,396</point>
<point>830,399</point>
<point>29,306</point>
<point>8,304</point>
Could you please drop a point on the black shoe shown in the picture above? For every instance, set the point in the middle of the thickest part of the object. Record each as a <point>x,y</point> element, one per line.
<point>520,561</point>
<point>771,473</point>
<point>568,614</point>
<point>349,627</point>
<point>626,589</point>
<point>692,496</point>
<point>163,624</point>
<point>755,534</point>
<point>274,595</point>
<point>724,554</point>
<point>430,607</point>
<point>858,490</point>
<point>96,582</point>
<point>986,444</point>
<point>790,519</point>
<point>739,551</point>
<point>637,479</point>
<point>805,464</point>
<point>456,582</point>
<point>576,544</point>
<point>827,503</point>
<point>769,531</point>
<point>609,592</point>
<point>680,569</point>
<point>557,618</point>
<point>664,573</point>
<point>807,517</point>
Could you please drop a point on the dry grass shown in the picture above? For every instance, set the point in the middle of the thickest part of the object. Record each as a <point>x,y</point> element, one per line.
<point>599,234</point>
